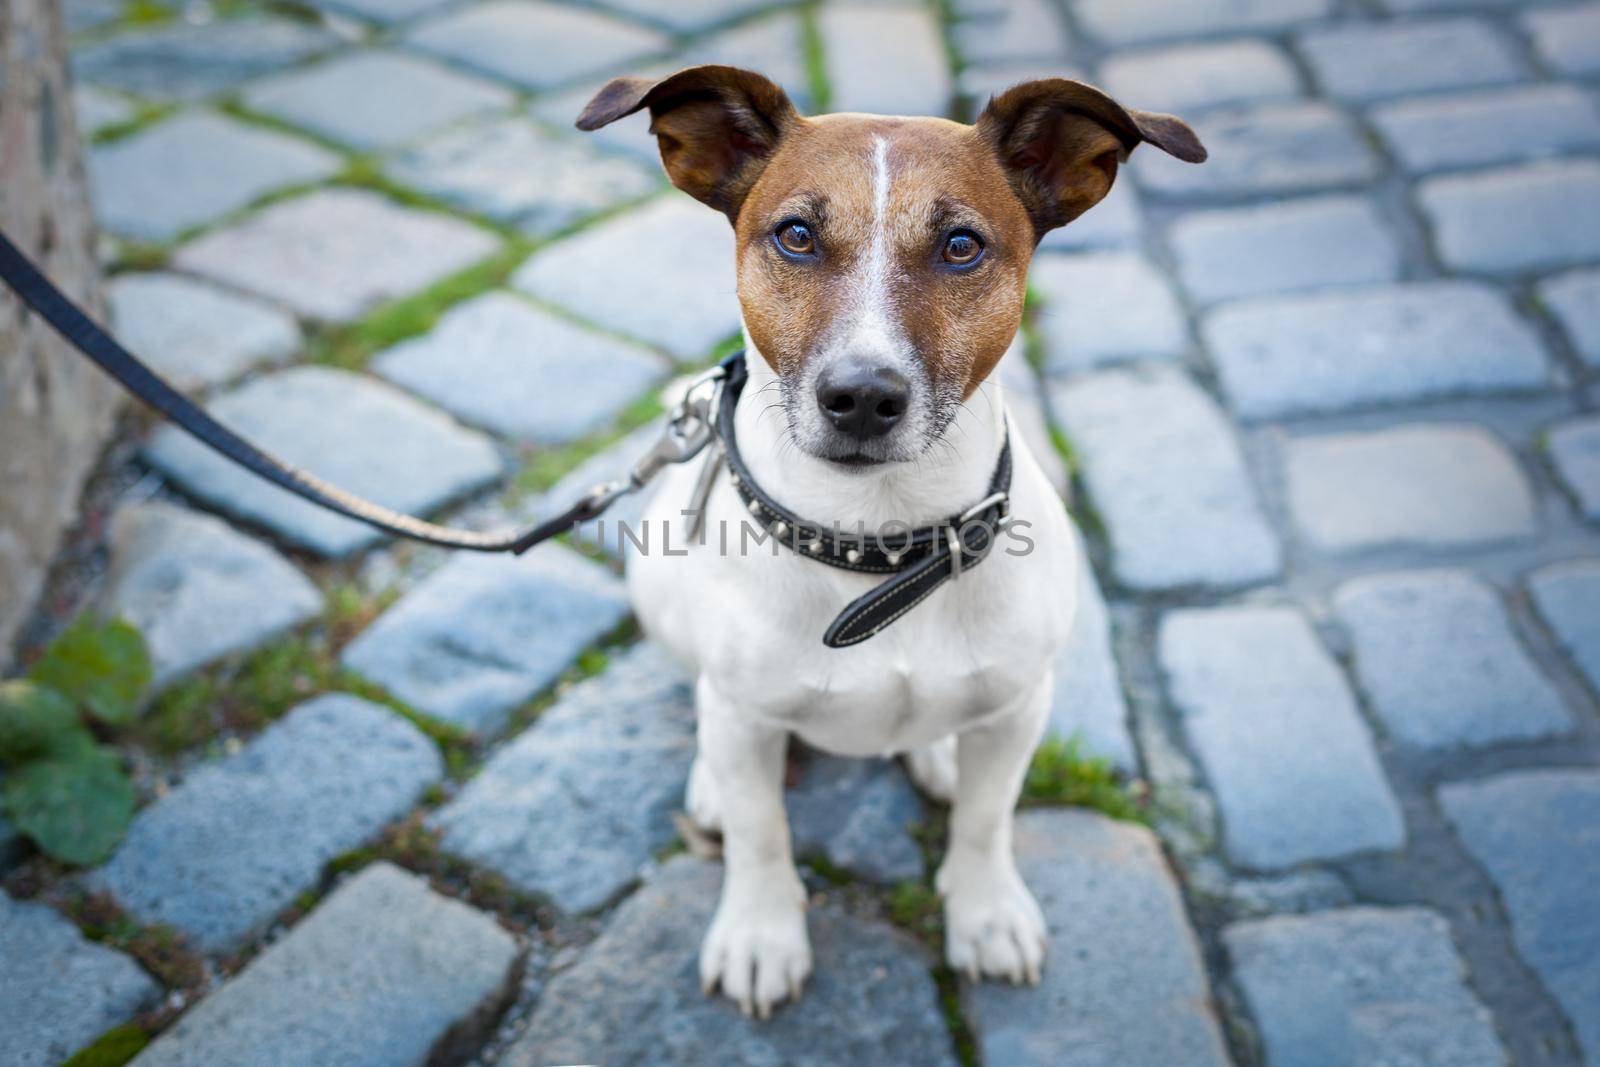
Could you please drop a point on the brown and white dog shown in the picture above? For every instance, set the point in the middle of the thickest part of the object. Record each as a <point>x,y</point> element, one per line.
<point>882,264</point>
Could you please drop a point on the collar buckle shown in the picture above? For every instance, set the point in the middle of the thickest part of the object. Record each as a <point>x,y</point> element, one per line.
<point>952,532</point>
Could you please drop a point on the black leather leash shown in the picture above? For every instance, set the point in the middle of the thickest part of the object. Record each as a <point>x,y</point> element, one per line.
<point>56,308</point>
<point>921,559</point>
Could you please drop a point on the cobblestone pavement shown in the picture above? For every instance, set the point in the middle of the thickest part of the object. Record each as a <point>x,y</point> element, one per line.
<point>1327,408</point>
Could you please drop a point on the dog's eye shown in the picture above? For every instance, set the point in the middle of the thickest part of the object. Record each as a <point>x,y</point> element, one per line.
<point>796,238</point>
<point>962,248</point>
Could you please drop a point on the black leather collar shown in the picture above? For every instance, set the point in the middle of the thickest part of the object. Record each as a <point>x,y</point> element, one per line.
<point>921,558</point>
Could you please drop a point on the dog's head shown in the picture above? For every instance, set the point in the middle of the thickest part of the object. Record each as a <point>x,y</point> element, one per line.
<point>882,262</point>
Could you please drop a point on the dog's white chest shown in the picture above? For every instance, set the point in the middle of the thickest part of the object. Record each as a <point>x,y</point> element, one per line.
<point>751,624</point>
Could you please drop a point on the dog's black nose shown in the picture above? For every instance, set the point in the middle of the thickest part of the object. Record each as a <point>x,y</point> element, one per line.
<point>862,401</point>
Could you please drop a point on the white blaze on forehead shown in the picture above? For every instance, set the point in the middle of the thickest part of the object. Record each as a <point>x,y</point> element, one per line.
<point>870,329</point>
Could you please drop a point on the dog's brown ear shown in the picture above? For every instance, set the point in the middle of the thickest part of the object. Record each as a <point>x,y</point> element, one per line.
<point>717,127</point>
<point>1061,142</point>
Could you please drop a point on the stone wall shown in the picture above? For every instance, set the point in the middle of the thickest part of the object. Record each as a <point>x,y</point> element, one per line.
<point>56,409</point>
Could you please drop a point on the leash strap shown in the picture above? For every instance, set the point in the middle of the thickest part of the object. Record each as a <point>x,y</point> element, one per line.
<point>55,307</point>
<point>921,559</point>
<point>928,557</point>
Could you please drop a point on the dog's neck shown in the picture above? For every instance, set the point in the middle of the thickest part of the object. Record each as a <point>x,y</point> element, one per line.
<point>950,477</point>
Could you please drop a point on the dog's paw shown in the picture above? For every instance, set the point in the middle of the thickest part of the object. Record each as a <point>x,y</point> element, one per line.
<point>933,768</point>
<point>701,799</point>
<point>992,925</point>
<point>758,952</point>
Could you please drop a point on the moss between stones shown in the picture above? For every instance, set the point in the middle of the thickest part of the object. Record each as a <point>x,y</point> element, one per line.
<point>815,58</point>
<point>112,1048</point>
<point>144,115</point>
<point>1062,774</point>
<point>353,346</point>
<point>161,950</point>
<point>246,694</point>
<point>415,846</point>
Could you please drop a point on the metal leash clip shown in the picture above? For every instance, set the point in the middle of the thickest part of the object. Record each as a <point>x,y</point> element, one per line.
<point>690,427</point>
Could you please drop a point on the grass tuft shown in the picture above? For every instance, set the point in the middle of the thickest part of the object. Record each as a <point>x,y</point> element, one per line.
<point>113,1048</point>
<point>1062,774</point>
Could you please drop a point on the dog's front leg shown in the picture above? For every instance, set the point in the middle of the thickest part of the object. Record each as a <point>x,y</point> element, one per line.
<point>993,926</point>
<point>757,948</point>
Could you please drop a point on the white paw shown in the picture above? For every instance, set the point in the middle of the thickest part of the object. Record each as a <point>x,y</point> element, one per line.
<point>992,925</point>
<point>933,768</point>
<point>701,800</point>
<point>757,950</point>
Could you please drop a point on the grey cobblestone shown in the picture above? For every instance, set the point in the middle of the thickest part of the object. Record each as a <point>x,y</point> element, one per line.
<point>1440,664</point>
<point>374,100</point>
<point>379,975</point>
<point>1115,222</point>
<point>1372,61</point>
<point>196,589</point>
<point>885,60</point>
<point>95,109</point>
<point>1104,307</point>
<point>1184,78</point>
<point>337,253</point>
<point>1024,400</point>
<point>1297,147</point>
<point>1575,300</point>
<point>82,15</point>
<point>1163,468</point>
<point>678,252</point>
<point>689,15</point>
<point>384,446</point>
<point>1324,352</point>
<point>1502,126</point>
<point>483,634</point>
<point>1275,248</point>
<point>387,12</point>
<point>1575,452</point>
<point>574,807</point>
<point>1565,595</point>
<point>1276,728</point>
<point>1516,219</point>
<point>536,44</point>
<point>194,169</point>
<point>1088,703</point>
<point>512,171</point>
<point>774,45</point>
<point>1533,831</point>
<point>233,845</point>
<point>634,996</point>
<point>195,334</point>
<point>1020,30</point>
<point>1568,38</point>
<point>859,815</point>
<point>1123,983</point>
<point>1361,986</point>
<point>1435,486</point>
<point>187,62</point>
<point>1123,21</point>
<point>61,990</point>
<point>498,362</point>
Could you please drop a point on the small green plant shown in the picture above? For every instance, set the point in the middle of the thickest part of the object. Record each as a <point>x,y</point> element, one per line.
<point>112,1049</point>
<point>65,791</point>
<point>1062,774</point>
